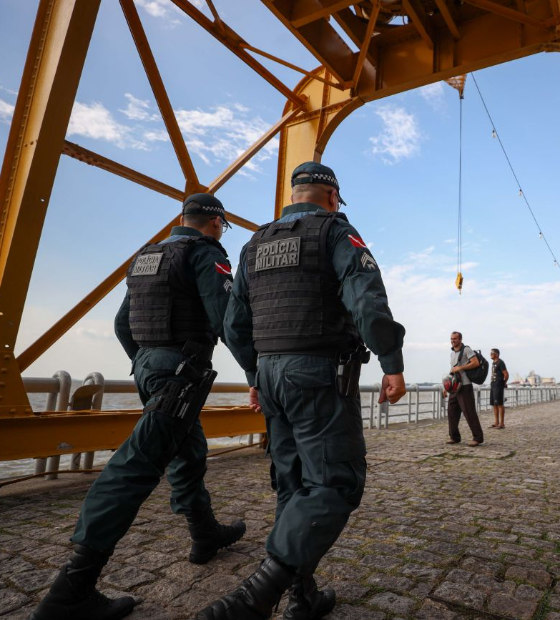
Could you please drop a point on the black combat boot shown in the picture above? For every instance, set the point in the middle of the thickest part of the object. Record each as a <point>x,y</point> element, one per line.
<point>208,536</point>
<point>308,603</point>
<point>73,594</point>
<point>255,598</point>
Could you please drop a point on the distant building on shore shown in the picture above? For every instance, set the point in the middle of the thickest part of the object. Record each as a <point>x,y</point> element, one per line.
<point>533,380</point>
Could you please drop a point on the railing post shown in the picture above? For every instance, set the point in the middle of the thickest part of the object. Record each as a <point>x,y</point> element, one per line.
<point>94,378</point>
<point>417,404</point>
<point>65,383</point>
<point>377,388</point>
<point>384,410</point>
<point>409,403</point>
<point>371,406</point>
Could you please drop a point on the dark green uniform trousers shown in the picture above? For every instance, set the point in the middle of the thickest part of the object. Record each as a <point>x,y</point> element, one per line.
<point>157,441</point>
<point>317,445</point>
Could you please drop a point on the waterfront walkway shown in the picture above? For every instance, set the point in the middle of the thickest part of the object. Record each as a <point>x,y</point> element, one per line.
<point>443,533</point>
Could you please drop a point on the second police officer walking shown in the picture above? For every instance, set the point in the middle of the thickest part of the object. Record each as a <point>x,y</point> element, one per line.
<point>306,295</point>
<point>172,315</point>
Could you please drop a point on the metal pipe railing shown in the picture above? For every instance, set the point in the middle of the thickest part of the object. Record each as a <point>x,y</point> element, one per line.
<point>429,403</point>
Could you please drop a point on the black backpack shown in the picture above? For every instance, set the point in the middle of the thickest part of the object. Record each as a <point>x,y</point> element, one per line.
<point>477,375</point>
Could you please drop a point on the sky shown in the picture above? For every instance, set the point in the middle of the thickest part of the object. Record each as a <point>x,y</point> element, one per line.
<point>396,161</point>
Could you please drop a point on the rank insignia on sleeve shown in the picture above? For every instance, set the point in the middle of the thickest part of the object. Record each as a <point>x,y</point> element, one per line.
<point>225,269</point>
<point>356,241</point>
<point>228,285</point>
<point>368,262</point>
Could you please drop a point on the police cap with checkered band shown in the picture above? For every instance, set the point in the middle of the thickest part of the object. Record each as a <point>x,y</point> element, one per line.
<point>315,173</point>
<point>204,204</point>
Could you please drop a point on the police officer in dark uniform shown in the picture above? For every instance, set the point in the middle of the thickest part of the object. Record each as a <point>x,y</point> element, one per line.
<point>173,313</point>
<point>307,295</point>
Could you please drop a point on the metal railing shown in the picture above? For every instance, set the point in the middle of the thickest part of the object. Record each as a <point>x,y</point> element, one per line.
<point>58,391</point>
<point>420,403</point>
<point>427,403</point>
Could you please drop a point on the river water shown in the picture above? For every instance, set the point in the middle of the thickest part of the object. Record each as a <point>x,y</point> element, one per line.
<point>131,401</point>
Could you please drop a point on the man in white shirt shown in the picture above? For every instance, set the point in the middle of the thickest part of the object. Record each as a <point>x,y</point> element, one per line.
<point>463,358</point>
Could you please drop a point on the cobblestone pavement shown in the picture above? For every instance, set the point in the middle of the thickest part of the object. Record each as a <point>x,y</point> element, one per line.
<point>443,533</point>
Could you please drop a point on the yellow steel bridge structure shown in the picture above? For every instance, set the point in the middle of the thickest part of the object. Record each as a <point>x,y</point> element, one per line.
<point>431,40</point>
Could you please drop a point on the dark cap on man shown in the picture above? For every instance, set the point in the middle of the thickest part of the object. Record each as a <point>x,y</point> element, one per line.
<point>204,204</point>
<point>316,173</point>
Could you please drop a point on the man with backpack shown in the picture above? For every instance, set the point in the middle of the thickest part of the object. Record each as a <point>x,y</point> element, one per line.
<point>463,360</point>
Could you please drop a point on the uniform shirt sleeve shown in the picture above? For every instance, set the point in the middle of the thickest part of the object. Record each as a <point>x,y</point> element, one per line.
<point>123,331</point>
<point>212,273</point>
<point>363,294</point>
<point>238,324</point>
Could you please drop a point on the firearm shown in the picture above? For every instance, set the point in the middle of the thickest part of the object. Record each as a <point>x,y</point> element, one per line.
<point>185,400</point>
<point>348,374</point>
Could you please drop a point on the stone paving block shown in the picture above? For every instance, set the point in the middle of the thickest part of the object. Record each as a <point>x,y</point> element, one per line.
<point>490,585</point>
<point>349,591</point>
<point>460,594</point>
<point>512,607</point>
<point>481,567</point>
<point>431,610</point>
<point>33,580</point>
<point>350,612</point>
<point>393,603</point>
<point>424,573</point>
<point>128,577</point>
<point>11,600</point>
<point>380,562</point>
<point>538,578</point>
<point>391,582</point>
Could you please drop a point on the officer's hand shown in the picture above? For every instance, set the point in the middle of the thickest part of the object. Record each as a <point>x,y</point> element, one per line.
<point>254,400</point>
<point>392,388</point>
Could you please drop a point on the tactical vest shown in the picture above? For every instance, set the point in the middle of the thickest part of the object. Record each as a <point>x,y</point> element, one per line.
<point>165,307</point>
<point>294,291</point>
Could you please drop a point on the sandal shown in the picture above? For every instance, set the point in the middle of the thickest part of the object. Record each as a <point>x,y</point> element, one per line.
<point>494,426</point>
<point>501,426</point>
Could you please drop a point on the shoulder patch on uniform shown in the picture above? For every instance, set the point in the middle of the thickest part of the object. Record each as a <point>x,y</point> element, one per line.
<point>356,241</point>
<point>222,268</point>
<point>368,262</point>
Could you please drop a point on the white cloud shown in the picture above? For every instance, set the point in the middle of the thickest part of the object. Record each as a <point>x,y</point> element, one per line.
<point>6,111</point>
<point>166,10</point>
<point>159,135</point>
<point>401,136</point>
<point>138,109</point>
<point>491,312</point>
<point>218,135</point>
<point>95,121</point>
<point>434,95</point>
<point>224,133</point>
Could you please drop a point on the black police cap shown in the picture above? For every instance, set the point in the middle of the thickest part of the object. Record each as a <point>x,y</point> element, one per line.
<point>316,173</point>
<point>204,204</point>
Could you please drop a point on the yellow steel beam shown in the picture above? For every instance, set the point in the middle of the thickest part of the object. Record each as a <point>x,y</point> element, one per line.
<point>508,13</point>
<point>285,63</point>
<point>55,59</point>
<point>403,61</point>
<point>230,39</point>
<point>304,12</point>
<point>366,41</point>
<point>94,159</point>
<point>418,16</point>
<point>160,94</point>
<point>321,39</point>
<point>44,435</point>
<point>45,341</point>
<point>448,18</point>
